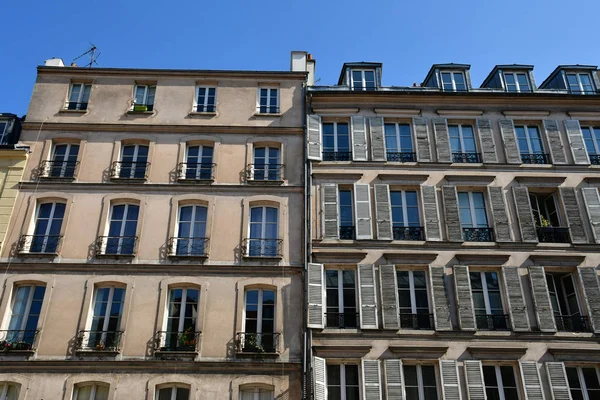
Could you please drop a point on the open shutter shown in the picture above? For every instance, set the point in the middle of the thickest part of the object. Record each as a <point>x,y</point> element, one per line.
<point>389,297</point>
<point>330,211</point>
<point>557,150</point>
<point>507,128</point>
<point>439,298</point>
<point>524,214</point>
<point>591,199</point>
<point>451,217</point>
<point>377,139</point>
<point>394,380</point>
<point>320,378</point>
<point>383,212</point>
<point>362,209</point>
<point>464,298</point>
<point>530,377</point>
<point>315,296</point>
<point>442,140</point>
<point>313,122</point>
<point>486,141</point>
<point>516,299</point>
<point>422,139</point>
<point>450,382</point>
<point>430,212</point>
<point>474,375</point>
<point>541,299</point>
<point>359,138</point>
<point>575,136</point>
<point>568,197</point>
<point>498,206</point>
<point>366,296</point>
<point>557,377</point>
<point>591,292</point>
<point>371,380</point>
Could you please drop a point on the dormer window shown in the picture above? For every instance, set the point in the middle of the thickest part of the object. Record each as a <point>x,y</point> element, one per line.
<point>516,82</point>
<point>4,123</point>
<point>580,83</point>
<point>453,81</point>
<point>363,79</point>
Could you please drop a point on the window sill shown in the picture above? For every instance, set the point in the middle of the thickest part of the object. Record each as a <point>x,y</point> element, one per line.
<point>202,114</point>
<point>249,257</point>
<point>37,255</point>
<point>125,256</point>
<point>128,180</point>
<point>188,257</point>
<point>17,353</point>
<point>340,330</point>
<point>276,115</point>
<point>176,355</point>
<point>554,245</point>
<point>265,182</point>
<point>542,166</point>
<point>57,178</point>
<point>195,181</point>
<point>402,162</point>
<point>140,113</point>
<point>573,334</point>
<point>493,333</point>
<point>477,244</point>
<point>247,354</point>
<point>465,164</point>
<point>94,352</point>
<point>415,332</point>
<point>410,242</point>
<point>67,111</point>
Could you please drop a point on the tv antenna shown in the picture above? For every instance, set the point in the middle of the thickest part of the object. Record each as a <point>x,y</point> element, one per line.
<point>93,56</point>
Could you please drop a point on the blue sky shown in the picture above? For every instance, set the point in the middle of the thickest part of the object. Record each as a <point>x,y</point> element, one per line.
<point>407,36</point>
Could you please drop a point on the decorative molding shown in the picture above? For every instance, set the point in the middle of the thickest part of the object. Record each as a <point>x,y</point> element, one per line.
<point>574,353</point>
<point>397,112</point>
<point>492,259</point>
<point>337,176</point>
<point>460,113</point>
<point>419,258</point>
<point>541,181</point>
<point>341,111</point>
<point>347,351</point>
<point>470,180</point>
<point>348,256</point>
<point>405,179</point>
<point>593,115</point>
<point>497,353</point>
<point>557,260</point>
<point>525,113</point>
<point>419,350</point>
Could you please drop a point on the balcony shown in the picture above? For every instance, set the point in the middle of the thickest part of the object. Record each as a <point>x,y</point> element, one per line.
<point>188,247</point>
<point>73,105</point>
<point>347,233</point>
<point>267,110</point>
<point>129,170</point>
<point>478,234</point>
<point>264,172</point>
<point>58,169</point>
<point>416,321</point>
<point>535,158</point>
<point>141,108</point>
<point>345,320</point>
<point>209,108</point>
<point>177,342</point>
<point>18,340</point>
<point>116,246</point>
<point>337,156</point>
<point>107,341</point>
<point>553,235</point>
<point>408,233</point>
<point>492,322</point>
<point>401,157</point>
<point>466,158</point>
<point>257,343</point>
<point>594,159</point>
<point>39,244</point>
<point>268,248</point>
<point>572,323</point>
<point>196,171</point>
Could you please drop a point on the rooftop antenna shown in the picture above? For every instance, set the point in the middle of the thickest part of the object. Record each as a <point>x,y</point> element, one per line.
<point>93,56</point>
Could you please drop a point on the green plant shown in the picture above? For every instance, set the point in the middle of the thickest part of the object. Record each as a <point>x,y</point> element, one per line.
<point>252,343</point>
<point>544,222</point>
<point>140,107</point>
<point>187,339</point>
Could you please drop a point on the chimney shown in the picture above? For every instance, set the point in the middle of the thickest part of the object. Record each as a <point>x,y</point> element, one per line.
<point>301,61</point>
<point>54,62</point>
<point>73,65</point>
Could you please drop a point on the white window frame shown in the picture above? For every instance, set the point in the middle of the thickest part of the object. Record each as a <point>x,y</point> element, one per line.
<point>27,305</point>
<point>267,161</point>
<point>342,368</point>
<point>4,390</point>
<point>135,151</point>
<point>397,128</point>
<point>452,79</point>
<point>92,393</point>
<point>27,247</point>
<point>256,392</point>
<point>109,305</point>
<point>134,161</point>
<point>472,210</point>
<point>461,137</point>
<point>335,136</point>
<point>263,223</point>
<point>595,141</point>
<point>205,102</point>
<point>500,383</point>
<point>561,283</point>
<point>181,316</point>
<point>268,105</point>
<point>578,76</point>
<point>201,147</point>
<point>192,221</point>
<point>80,95</point>
<point>173,388</point>
<point>405,207</point>
<point>340,288</point>
<point>421,386</point>
<point>582,383</point>
<point>4,129</point>
<point>363,80</point>
<point>528,138</point>
<point>517,84</point>
<point>542,206</point>
<point>122,230</point>
<point>411,285</point>
<point>146,90</point>
<point>259,318</point>
<point>486,296</point>
<point>67,155</point>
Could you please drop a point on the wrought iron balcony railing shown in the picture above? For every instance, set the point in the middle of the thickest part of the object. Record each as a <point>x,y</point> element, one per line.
<point>573,323</point>
<point>401,157</point>
<point>188,247</point>
<point>18,340</point>
<point>537,158</point>
<point>267,110</point>
<point>252,342</point>
<point>347,233</point>
<point>171,341</point>
<point>594,159</point>
<point>39,244</point>
<point>129,170</point>
<point>196,171</point>
<point>264,172</point>
<point>50,169</point>
<point>337,156</point>
<point>342,320</point>
<point>139,107</point>
<point>109,341</point>
<point>73,105</point>
<point>262,247</point>
<point>408,233</point>
<point>492,322</point>
<point>478,234</point>
<point>116,245</point>
<point>553,235</point>
<point>466,157</point>
<point>417,321</point>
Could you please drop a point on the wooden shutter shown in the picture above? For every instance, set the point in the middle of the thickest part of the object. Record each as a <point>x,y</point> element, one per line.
<point>439,298</point>
<point>576,143</point>
<point>516,299</point>
<point>541,299</point>
<point>378,152</point>
<point>450,382</point>
<point>591,199</point>
<point>525,215</point>
<point>362,210</point>
<point>394,379</point>
<point>359,138</point>
<point>320,378</point>
<point>557,150</point>
<point>389,297</point>
<point>313,123</point>
<point>507,128</point>
<point>371,380</point>
<point>591,293</point>
<point>464,298</point>
<point>383,212</point>
<point>499,213</point>
<point>422,139</point>
<point>557,377</point>
<point>442,140</point>
<point>474,375</point>
<point>530,377</point>
<point>316,301</point>
<point>486,141</point>
<point>451,216</point>
<point>430,213</point>
<point>568,197</point>
<point>366,296</point>
<point>331,222</point>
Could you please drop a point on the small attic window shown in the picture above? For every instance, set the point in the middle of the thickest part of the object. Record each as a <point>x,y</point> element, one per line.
<point>363,79</point>
<point>580,83</point>
<point>453,81</point>
<point>516,82</point>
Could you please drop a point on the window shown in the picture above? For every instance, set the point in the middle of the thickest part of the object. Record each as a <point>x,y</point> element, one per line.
<point>198,163</point>
<point>26,307</point>
<point>264,240</point>
<point>547,219</point>
<point>487,301</point>
<point>90,391</point>
<point>398,143</point>
<point>336,141</point>
<point>462,143</point>
<point>64,161</point>
<point>343,382</point>
<point>257,394</point>
<point>134,161</point>
<point>206,99</point>
<point>453,81</point>
<point>406,223</point>
<point>104,331</point>
<point>9,391</point>
<point>191,231</point>
<point>591,136</point>
<point>267,164</point>
<point>181,320</point>
<point>122,229</point>
<point>79,95</point>
<point>4,124</point>
<point>173,393</point>
<point>413,300</point>
<point>529,140</point>
<point>363,79</point>
<point>420,382</point>
<point>580,83</point>
<point>46,234</point>
<point>565,303</point>
<point>341,299</point>
<point>259,321</point>
<point>584,382</point>
<point>268,101</point>
<point>144,98</point>
<point>500,382</point>
<point>473,217</point>
<point>346,213</point>
<point>516,82</point>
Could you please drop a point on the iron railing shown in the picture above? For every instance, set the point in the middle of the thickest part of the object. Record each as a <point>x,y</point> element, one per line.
<point>264,172</point>
<point>267,109</point>
<point>39,244</point>
<point>58,169</point>
<point>209,108</point>
<point>594,159</point>
<point>116,245</point>
<point>129,170</point>
<point>401,157</point>
<point>363,88</point>
<point>186,341</point>
<point>188,246</point>
<point>337,156</point>
<point>416,321</point>
<point>99,340</point>
<point>492,322</point>
<point>466,157</point>
<point>347,233</point>
<point>139,107</point>
<point>478,234</point>
<point>573,323</point>
<point>553,235</point>
<point>252,342</point>
<point>408,233</point>
<point>196,171</point>
<point>537,158</point>
<point>15,340</point>
<point>262,247</point>
<point>342,320</point>
<point>73,105</point>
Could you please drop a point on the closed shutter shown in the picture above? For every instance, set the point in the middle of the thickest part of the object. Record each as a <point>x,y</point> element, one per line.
<point>450,382</point>
<point>516,299</point>
<point>541,299</point>
<point>371,380</point>
<point>524,215</point>
<point>474,375</point>
<point>509,138</point>
<point>451,217</point>
<point>557,150</point>
<point>362,197</point>
<point>359,138</point>
<point>592,205</point>
<point>394,380</point>
<point>568,197</point>
<point>366,296</point>
<point>383,212</point>
<point>330,211</point>
<point>591,292</point>
<point>430,212</point>
<point>422,139</point>
<point>530,377</point>
<point>575,136</point>
<point>464,298</point>
<point>499,213</point>
<point>439,298</point>
<point>557,377</point>
<point>320,378</point>
<point>389,296</point>
<point>486,141</point>
<point>442,140</point>
<point>378,152</point>
<point>313,122</point>
<point>315,296</point>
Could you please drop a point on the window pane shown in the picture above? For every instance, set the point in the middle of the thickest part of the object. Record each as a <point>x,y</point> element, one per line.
<point>591,378</point>
<point>489,376</point>
<point>410,375</point>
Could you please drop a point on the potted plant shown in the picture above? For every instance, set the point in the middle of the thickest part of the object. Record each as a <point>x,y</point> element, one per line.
<point>140,107</point>
<point>187,340</point>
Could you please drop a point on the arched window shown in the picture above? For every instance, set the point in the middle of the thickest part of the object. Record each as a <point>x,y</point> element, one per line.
<point>46,233</point>
<point>267,164</point>
<point>263,241</point>
<point>134,162</point>
<point>173,392</point>
<point>122,229</point>
<point>182,320</point>
<point>63,161</point>
<point>259,322</point>
<point>104,333</point>
<point>26,307</point>
<point>256,393</point>
<point>91,391</point>
<point>191,231</point>
<point>198,163</point>
<point>9,391</point>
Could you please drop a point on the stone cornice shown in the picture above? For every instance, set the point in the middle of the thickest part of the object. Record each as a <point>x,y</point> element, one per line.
<point>158,187</point>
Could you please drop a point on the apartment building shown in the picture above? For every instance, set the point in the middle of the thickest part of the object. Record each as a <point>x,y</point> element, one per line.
<point>157,250</point>
<point>454,235</point>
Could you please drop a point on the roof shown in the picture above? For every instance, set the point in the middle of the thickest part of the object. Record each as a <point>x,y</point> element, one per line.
<point>513,67</point>
<point>445,66</point>
<point>570,68</point>
<point>359,64</point>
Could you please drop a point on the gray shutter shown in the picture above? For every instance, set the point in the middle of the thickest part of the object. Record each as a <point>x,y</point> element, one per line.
<point>557,150</point>
<point>591,199</point>
<point>439,298</point>
<point>516,299</point>
<point>474,375</point>
<point>331,224</point>
<point>442,140</point>
<point>486,141</point>
<point>541,299</point>
<point>557,377</point>
<point>524,214</point>
<point>313,123</point>
<point>591,292</point>
<point>430,213</point>
<point>320,378</point>
<point>530,377</point>
<point>366,296</point>
<point>359,138</point>
<point>498,206</point>
<point>450,382</point>
<point>377,139</point>
<point>389,296</point>
<point>394,379</point>
<point>383,212</point>
<point>371,380</point>
<point>422,139</point>
<point>509,138</point>
<point>568,197</point>
<point>464,298</point>
<point>451,216</point>
<point>315,296</point>
<point>575,136</point>
<point>362,210</point>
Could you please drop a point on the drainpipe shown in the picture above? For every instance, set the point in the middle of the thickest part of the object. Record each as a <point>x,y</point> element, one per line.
<point>305,389</point>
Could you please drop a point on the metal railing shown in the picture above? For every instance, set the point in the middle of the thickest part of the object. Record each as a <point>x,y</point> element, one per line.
<point>594,159</point>
<point>210,108</point>
<point>188,246</point>
<point>73,105</point>
<point>252,342</point>
<point>401,157</point>
<point>408,233</point>
<point>342,320</point>
<point>363,88</point>
<point>535,158</point>
<point>99,340</point>
<point>347,233</point>
<point>478,234</point>
<point>15,340</point>
<point>262,247</point>
<point>116,245</point>
<point>264,172</point>
<point>337,156</point>
<point>267,109</point>
<point>58,169</point>
<point>553,235</point>
<point>466,157</point>
<point>492,322</point>
<point>196,171</point>
<point>39,244</point>
<point>416,321</point>
<point>129,170</point>
<point>572,323</point>
<point>139,107</point>
<point>186,341</point>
